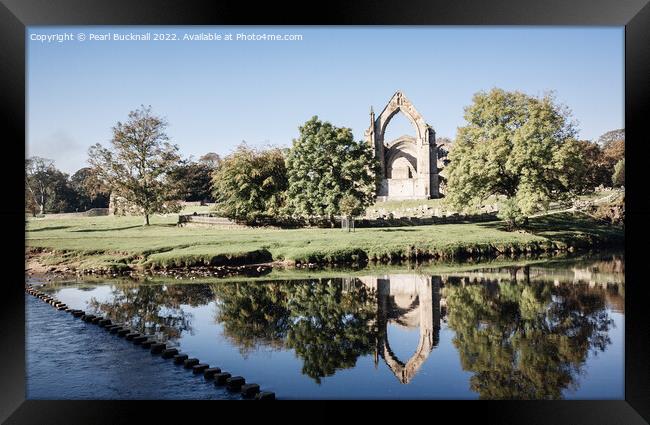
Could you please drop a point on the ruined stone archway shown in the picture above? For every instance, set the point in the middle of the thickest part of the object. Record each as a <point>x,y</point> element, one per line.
<point>427,290</point>
<point>424,183</point>
<point>402,151</point>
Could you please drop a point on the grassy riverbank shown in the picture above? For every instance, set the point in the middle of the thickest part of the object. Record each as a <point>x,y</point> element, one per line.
<point>122,243</point>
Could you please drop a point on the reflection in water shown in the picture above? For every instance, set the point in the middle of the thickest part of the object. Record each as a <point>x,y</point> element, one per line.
<point>398,298</point>
<point>328,323</point>
<point>522,332</point>
<point>153,309</point>
<point>525,340</point>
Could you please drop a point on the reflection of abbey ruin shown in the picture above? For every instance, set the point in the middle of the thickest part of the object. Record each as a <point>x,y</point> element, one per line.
<point>412,301</point>
<point>418,301</point>
<point>522,331</point>
<point>409,167</point>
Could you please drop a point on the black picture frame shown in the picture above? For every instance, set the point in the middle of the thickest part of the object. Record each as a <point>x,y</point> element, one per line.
<point>16,15</point>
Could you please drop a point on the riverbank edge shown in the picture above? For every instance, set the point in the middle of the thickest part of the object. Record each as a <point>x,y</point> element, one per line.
<point>259,262</point>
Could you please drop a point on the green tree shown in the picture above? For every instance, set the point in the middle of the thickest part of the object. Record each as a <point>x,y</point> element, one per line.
<point>39,181</point>
<point>64,198</point>
<point>324,165</point>
<point>619,173</point>
<point>249,185</point>
<point>90,191</point>
<point>47,189</point>
<point>516,146</point>
<point>193,181</point>
<point>595,167</point>
<point>137,166</point>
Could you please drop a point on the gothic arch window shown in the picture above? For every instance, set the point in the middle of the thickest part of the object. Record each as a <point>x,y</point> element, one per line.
<point>398,126</point>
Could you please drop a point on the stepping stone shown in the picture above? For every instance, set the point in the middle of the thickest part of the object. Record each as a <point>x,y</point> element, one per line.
<point>123,332</point>
<point>265,395</point>
<point>104,323</point>
<point>139,339</point>
<point>199,368</point>
<point>190,363</point>
<point>157,348</point>
<point>116,329</point>
<point>96,320</point>
<point>180,358</point>
<point>148,343</point>
<point>130,336</point>
<point>250,390</point>
<point>210,372</point>
<point>169,353</point>
<point>221,378</point>
<point>234,383</point>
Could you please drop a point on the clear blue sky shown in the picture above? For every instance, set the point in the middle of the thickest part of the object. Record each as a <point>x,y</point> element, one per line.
<point>217,93</point>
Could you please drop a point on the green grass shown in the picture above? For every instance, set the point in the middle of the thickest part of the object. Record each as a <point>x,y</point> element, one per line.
<point>116,243</point>
<point>408,203</point>
<point>415,203</point>
<point>189,209</point>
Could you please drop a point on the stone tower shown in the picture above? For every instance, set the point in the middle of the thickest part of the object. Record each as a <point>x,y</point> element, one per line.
<point>408,164</point>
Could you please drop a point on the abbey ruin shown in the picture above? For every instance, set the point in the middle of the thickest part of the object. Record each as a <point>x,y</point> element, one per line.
<point>409,168</point>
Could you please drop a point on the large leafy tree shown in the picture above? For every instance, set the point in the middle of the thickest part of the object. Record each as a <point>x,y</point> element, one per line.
<point>46,188</point>
<point>518,146</point>
<point>90,191</point>
<point>137,165</point>
<point>39,182</point>
<point>64,197</point>
<point>193,181</point>
<point>249,185</point>
<point>325,165</point>
<point>596,168</point>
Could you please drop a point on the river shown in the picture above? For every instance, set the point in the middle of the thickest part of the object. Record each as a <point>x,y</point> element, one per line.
<point>535,330</point>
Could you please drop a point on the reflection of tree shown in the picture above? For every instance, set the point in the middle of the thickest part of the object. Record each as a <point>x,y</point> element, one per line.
<point>253,313</point>
<point>525,341</point>
<point>325,322</point>
<point>153,308</point>
<point>330,327</point>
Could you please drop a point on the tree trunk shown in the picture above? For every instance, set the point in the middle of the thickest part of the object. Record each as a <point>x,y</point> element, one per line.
<point>146,219</point>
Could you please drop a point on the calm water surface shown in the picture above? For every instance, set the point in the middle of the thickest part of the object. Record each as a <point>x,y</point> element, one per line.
<point>547,331</point>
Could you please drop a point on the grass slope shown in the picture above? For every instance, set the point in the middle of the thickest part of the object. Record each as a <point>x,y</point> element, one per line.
<point>117,243</point>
